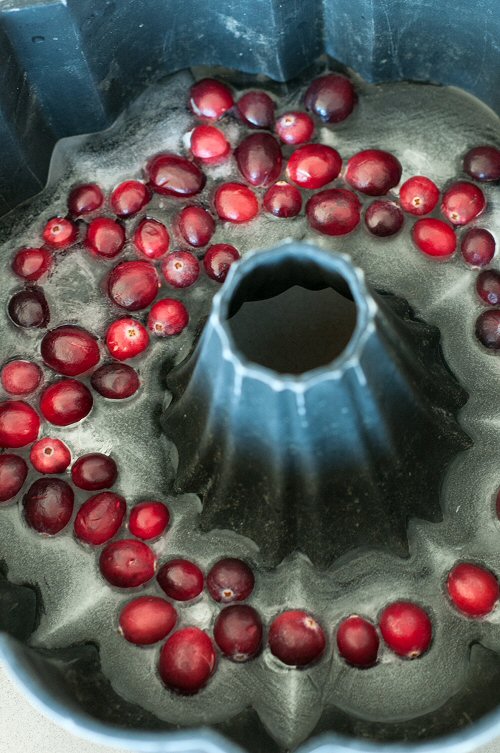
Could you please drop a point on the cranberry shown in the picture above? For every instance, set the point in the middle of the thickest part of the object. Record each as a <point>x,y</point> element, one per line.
<point>259,159</point>
<point>384,218</point>
<point>133,285</point>
<point>168,317</point>
<point>116,381</point>
<point>100,518</point>
<point>283,200</point>
<point>127,563</point>
<point>70,350</point>
<point>473,590</point>
<point>483,163</point>
<point>49,455</point>
<point>238,632</point>
<point>13,472</point>
<point>478,247</point>
<point>180,269</point>
<point>230,579</point>
<point>94,471</point>
<point>418,195</point>
<point>332,98</point>
<point>181,580</point>
<point>434,237</point>
<point>48,505</point>
<point>59,233</point>
<point>209,145</point>
<point>196,225</point>
<point>488,329</point>
<point>19,424</point>
<point>29,308</point>
<point>187,660</point>
<point>129,198</point>
<point>126,338</point>
<point>66,402</point>
<point>210,99</point>
<point>151,239</point>
<point>235,202</point>
<point>334,212</point>
<point>462,202</point>
<point>173,175</point>
<point>488,287</point>
<point>373,172</point>
<point>105,237</point>
<point>295,127</point>
<point>314,165</point>
<point>147,620</point>
<point>32,263</point>
<point>406,629</point>
<point>256,110</point>
<point>296,638</point>
<point>218,259</point>
<point>21,377</point>
<point>357,641</point>
<point>149,520</point>
<point>85,199</point>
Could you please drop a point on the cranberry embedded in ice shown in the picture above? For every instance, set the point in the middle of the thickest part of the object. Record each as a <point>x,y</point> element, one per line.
<point>148,520</point>
<point>49,455</point>
<point>180,269</point>
<point>151,238</point>
<point>283,200</point>
<point>357,641</point>
<point>94,471</point>
<point>105,237</point>
<point>314,165</point>
<point>488,329</point>
<point>133,285</point>
<point>19,423</point>
<point>462,202</point>
<point>100,518</point>
<point>21,377</point>
<point>295,127</point>
<point>238,632</point>
<point>434,238</point>
<point>66,402</point>
<point>418,195</point>
<point>168,317</point>
<point>70,350</point>
<point>335,211</point>
<point>187,660</point>
<point>181,579</point>
<point>373,172</point>
<point>129,198</point>
<point>332,98</point>
<point>406,629</point>
<point>488,287</point>
<point>85,199</point>
<point>48,505</point>
<point>172,175</point>
<point>235,202</point>
<point>13,472</point>
<point>229,580</point>
<point>127,563</point>
<point>147,620</point>
<point>59,233</point>
<point>209,145</point>
<point>196,226</point>
<point>296,638</point>
<point>218,259</point>
<point>473,590</point>
<point>126,338</point>
<point>478,247</point>
<point>483,163</point>
<point>259,159</point>
<point>32,263</point>
<point>29,308</point>
<point>115,381</point>
<point>384,218</point>
<point>256,110</point>
<point>210,99</point>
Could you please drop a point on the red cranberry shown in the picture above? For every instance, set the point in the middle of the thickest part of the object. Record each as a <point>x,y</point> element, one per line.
<point>172,175</point>
<point>478,247</point>
<point>473,590</point>
<point>238,632</point>
<point>147,620</point>
<point>235,202</point>
<point>314,165</point>
<point>357,641</point>
<point>256,110</point>
<point>48,505</point>
<point>100,518</point>
<point>126,338</point>
<point>483,163</point>
<point>259,159</point>
<point>129,198</point>
<point>332,98</point>
<point>105,237</point>
<point>196,226</point>
<point>13,472</point>
<point>296,638</point>
<point>21,377</point>
<point>295,127</point>
<point>180,269</point>
<point>85,199</point>
<point>133,285</point>
<point>488,329</point>
<point>168,317</point>
<point>218,259</point>
<point>209,145</point>
<point>49,455</point>
<point>406,629</point>
<point>210,99</point>
<point>116,381</point>
<point>229,580</point>
<point>32,263</point>
<point>384,218</point>
<point>127,563</point>
<point>187,660</point>
<point>70,350</point>
<point>434,237</point>
<point>66,402</point>
<point>151,239</point>
<point>283,200</point>
<point>19,424</point>
<point>29,308</point>
<point>94,471</point>
<point>59,233</point>
<point>488,287</point>
<point>373,172</point>
<point>149,520</point>
<point>334,212</point>
<point>462,202</point>
<point>419,195</point>
<point>181,580</point>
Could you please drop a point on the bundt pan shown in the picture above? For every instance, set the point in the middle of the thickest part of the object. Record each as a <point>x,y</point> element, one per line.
<point>330,416</point>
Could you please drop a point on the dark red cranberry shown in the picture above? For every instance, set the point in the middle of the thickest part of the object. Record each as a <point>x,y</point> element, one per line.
<point>168,317</point>
<point>85,199</point>
<point>462,202</point>
<point>218,259</point>
<point>133,285</point>
<point>488,329</point>
<point>235,202</point>
<point>483,163</point>
<point>59,233</point>
<point>181,580</point>
<point>259,159</point>
<point>187,660</point>
<point>49,455</point>
<point>295,127</point>
<point>172,175</point>
<point>283,200</point>
<point>21,377</point>
<point>116,381</point>
<point>105,237</point>
<point>478,247</point>
<point>19,424</point>
<point>129,198</point>
<point>13,472</point>
<point>126,338</point>
<point>147,620</point>
<point>488,287</point>
<point>238,632</point>
<point>434,237</point>
<point>256,110</point>
<point>48,505</point>
<point>100,518</point>
<point>66,402</point>
<point>296,638</point>
<point>406,629</point>
<point>127,563</point>
<point>332,98</point>
<point>29,308</point>
<point>209,145</point>
<point>70,350</point>
<point>210,99</point>
<point>384,218</point>
<point>473,590</point>
<point>314,165</point>
<point>151,238</point>
<point>373,172</point>
<point>32,263</point>
<point>196,226</point>
<point>94,471</point>
<point>334,212</point>
<point>230,579</point>
<point>418,195</point>
<point>357,641</point>
<point>149,520</point>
